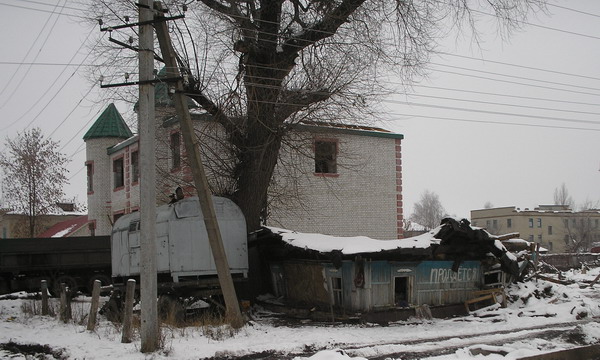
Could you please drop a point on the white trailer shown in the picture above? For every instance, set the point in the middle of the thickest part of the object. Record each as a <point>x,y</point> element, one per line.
<point>183,250</point>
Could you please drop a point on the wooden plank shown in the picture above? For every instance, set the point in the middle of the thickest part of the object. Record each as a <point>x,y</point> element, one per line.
<point>584,352</point>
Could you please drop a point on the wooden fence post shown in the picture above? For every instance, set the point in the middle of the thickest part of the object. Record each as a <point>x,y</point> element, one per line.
<point>128,311</point>
<point>65,303</point>
<point>94,306</point>
<point>44,297</point>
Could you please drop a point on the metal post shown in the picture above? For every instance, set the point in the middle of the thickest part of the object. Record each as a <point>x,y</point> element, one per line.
<point>147,133</point>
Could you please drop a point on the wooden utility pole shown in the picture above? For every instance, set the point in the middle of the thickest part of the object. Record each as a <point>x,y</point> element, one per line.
<point>233,314</point>
<point>147,132</point>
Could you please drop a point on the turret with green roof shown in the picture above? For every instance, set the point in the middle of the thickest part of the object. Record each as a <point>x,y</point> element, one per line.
<point>109,124</point>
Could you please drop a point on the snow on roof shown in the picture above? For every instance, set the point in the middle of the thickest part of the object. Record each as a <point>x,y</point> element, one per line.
<point>354,244</point>
<point>64,228</point>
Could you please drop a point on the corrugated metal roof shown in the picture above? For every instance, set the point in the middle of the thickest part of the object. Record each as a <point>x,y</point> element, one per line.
<point>109,124</point>
<point>65,228</point>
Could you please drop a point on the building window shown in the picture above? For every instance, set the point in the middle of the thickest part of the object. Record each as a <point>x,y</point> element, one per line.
<point>550,245</point>
<point>530,238</point>
<point>540,238</point>
<point>549,229</point>
<point>118,178</point>
<point>135,167</point>
<point>336,287</point>
<point>566,222</point>
<point>92,228</point>
<point>508,223</point>
<point>596,223</point>
<point>495,222</point>
<point>325,157</point>
<point>530,222</point>
<point>175,151</point>
<point>90,177</point>
<point>488,224</point>
<point>539,222</point>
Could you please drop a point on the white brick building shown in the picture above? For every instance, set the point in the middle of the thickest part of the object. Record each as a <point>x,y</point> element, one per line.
<point>338,180</point>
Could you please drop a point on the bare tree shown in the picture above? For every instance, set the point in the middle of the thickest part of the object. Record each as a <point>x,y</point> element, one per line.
<point>488,205</point>
<point>34,175</point>
<point>429,211</point>
<point>562,197</point>
<point>582,227</point>
<point>261,67</point>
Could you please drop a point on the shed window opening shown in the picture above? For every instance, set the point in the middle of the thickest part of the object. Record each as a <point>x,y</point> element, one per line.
<point>118,175</point>
<point>325,157</point>
<point>336,287</point>
<point>401,291</point>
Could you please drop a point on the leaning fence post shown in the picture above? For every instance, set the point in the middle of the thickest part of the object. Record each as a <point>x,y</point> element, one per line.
<point>65,303</point>
<point>128,311</point>
<point>44,297</point>
<point>94,306</point>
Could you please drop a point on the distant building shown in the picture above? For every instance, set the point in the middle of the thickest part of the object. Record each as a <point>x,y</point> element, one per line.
<point>340,180</point>
<point>556,227</point>
<point>14,225</point>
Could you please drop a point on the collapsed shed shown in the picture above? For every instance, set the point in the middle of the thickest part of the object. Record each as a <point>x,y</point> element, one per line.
<point>359,274</point>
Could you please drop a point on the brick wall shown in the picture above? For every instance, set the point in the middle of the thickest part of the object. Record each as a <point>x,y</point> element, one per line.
<point>363,198</point>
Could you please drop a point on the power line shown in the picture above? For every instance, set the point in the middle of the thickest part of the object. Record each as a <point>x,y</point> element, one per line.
<point>574,10</point>
<point>45,11</point>
<point>504,104</point>
<point>47,64</point>
<point>27,54</point>
<point>502,95</point>
<point>516,77</point>
<point>492,122</point>
<point>520,66</point>
<point>492,112</point>
<point>54,82</point>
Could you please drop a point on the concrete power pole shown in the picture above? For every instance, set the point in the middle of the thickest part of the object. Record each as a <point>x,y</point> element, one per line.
<point>147,131</point>
<point>193,151</point>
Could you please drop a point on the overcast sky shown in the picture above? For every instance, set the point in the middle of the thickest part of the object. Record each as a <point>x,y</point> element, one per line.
<point>500,121</point>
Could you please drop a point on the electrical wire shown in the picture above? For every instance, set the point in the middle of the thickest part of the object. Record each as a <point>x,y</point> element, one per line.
<point>490,122</point>
<point>27,54</point>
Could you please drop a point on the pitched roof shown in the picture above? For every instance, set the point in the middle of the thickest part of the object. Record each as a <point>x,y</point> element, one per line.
<point>65,228</point>
<point>109,124</point>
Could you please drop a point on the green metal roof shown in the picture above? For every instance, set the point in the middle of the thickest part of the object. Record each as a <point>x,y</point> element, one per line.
<point>162,97</point>
<point>109,124</point>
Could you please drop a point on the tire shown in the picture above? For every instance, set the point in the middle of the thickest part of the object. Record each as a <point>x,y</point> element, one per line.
<point>4,286</point>
<point>69,281</point>
<point>171,310</point>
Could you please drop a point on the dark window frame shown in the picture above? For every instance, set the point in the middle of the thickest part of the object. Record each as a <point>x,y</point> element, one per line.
<point>326,154</point>
<point>118,173</point>
<point>89,166</point>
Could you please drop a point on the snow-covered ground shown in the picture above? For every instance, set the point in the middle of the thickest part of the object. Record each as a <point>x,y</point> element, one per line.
<point>541,317</point>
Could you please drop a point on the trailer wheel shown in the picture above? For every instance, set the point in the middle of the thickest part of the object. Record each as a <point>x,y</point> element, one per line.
<point>171,310</point>
<point>69,281</point>
<point>4,286</point>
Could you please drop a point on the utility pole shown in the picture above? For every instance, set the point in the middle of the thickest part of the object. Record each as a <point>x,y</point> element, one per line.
<point>147,132</point>
<point>233,313</point>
